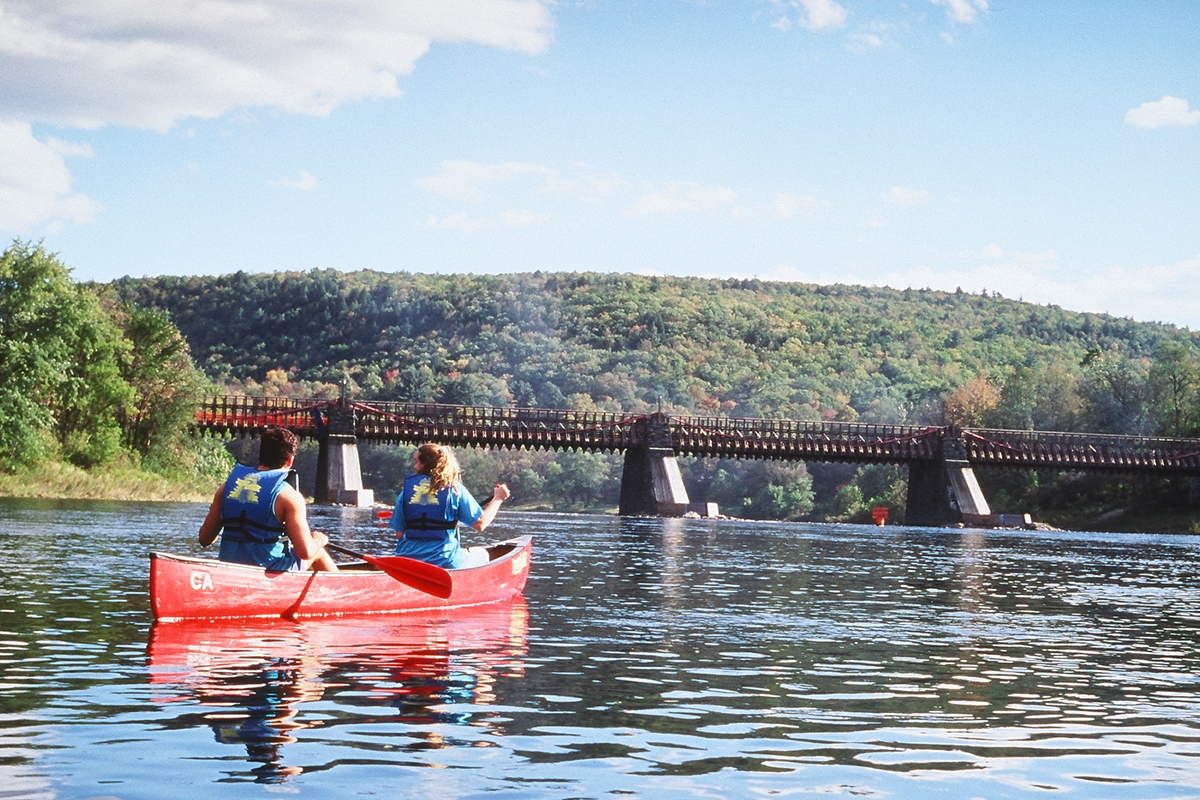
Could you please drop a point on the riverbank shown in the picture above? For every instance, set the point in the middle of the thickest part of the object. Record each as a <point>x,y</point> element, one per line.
<point>58,481</point>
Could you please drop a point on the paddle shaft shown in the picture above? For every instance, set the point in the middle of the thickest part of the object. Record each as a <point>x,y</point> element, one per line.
<point>345,551</point>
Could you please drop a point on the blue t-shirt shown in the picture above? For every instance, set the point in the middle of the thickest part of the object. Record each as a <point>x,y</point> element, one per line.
<point>427,521</point>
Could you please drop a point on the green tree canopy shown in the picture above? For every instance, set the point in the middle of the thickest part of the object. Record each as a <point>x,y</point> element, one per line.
<point>59,376</point>
<point>79,378</point>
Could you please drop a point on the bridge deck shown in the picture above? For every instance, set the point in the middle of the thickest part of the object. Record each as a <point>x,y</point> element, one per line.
<point>709,437</point>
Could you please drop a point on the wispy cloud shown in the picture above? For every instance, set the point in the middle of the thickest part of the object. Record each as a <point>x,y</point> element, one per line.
<point>902,197</point>
<point>823,15</point>
<point>306,182</point>
<point>475,180</point>
<point>964,11</point>
<point>678,197</point>
<point>814,15</point>
<point>466,180</point>
<point>1169,112</point>
<point>866,41</point>
<point>530,185</point>
<point>506,219</point>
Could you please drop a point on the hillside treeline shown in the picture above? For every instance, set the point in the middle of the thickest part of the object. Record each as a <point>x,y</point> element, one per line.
<point>742,348</point>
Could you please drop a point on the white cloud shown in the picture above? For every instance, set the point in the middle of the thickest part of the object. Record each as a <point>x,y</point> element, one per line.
<point>902,197</point>
<point>866,41</point>
<point>965,11</point>
<point>815,15</point>
<point>35,184</point>
<point>306,182</point>
<point>149,64</point>
<point>677,197</point>
<point>785,205</point>
<point>465,180</point>
<point>506,219</point>
<point>478,182</point>
<point>823,14</point>
<point>471,180</point>
<point>1164,113</point>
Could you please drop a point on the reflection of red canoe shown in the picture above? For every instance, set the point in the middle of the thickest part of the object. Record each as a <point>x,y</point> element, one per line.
<point>184,587</point>
<point>190,650</point>
<point>256,681</point>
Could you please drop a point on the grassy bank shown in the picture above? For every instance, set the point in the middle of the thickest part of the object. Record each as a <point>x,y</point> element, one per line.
<point>59,481</point>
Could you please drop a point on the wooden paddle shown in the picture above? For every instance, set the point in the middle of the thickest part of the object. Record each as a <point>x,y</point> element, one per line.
<point>409,571</point>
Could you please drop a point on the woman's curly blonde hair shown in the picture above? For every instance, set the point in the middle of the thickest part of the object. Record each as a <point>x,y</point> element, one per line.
<point>439,464</point>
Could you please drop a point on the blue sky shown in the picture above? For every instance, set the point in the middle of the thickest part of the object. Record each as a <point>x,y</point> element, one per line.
<point>1047,151</point>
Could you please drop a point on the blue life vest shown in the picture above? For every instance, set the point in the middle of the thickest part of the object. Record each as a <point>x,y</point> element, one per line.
<point>427,514</point>
<point>252,533</point>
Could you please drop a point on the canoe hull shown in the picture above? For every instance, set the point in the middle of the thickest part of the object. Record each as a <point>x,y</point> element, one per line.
<point>185,587</point>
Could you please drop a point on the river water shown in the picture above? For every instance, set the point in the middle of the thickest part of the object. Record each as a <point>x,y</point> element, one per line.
<point>648,658</point>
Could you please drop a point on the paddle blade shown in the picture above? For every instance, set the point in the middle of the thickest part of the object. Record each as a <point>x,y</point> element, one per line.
<point>418,574</point>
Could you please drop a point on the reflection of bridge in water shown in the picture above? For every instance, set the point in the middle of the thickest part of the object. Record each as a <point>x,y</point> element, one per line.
<point>940,459</point>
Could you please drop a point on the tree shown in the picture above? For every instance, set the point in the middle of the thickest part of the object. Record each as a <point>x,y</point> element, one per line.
<point>411,383</point>
<point>166,384</point>
<point>1117,396</point>
<point>60,384</point>
<point>970,404</point>
<point>1045,399</point>
<point>1175,381</point>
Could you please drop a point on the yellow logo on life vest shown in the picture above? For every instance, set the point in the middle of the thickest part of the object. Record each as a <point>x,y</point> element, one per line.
<point>246,489</point>
<point>423,495</point>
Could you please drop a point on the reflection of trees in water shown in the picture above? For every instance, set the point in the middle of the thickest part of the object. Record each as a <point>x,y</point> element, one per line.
<point>255,678</point>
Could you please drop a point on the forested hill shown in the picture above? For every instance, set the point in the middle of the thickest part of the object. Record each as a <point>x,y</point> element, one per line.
<point>627,342</point>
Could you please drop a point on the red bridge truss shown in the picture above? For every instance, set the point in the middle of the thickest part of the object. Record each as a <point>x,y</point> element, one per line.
<point>709,437</point>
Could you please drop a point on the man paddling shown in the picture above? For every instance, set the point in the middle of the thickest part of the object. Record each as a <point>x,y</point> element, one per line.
<point>265,520</point>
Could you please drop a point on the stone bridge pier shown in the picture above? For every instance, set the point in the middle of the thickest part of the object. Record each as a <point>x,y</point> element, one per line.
<point>946,492</point>
<point>339,476</point>
<point>651,483</point>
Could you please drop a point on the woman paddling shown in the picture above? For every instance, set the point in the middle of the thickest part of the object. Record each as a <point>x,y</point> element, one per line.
<point>431,505</point>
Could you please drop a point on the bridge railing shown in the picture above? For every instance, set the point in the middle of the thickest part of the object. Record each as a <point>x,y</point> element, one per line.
<point>488,426</point>
<point>1000,447</point>
<point>237,413</point>
<point>708,437</point>
<point>794,439</point>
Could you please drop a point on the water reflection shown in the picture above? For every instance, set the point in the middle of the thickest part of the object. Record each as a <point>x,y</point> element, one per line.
<point>260,683</point>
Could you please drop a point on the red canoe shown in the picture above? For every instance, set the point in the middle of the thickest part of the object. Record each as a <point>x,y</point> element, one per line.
<point>185,587</point>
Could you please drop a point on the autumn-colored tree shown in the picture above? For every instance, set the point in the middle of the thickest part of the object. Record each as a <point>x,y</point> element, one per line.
<point>969,405</point>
